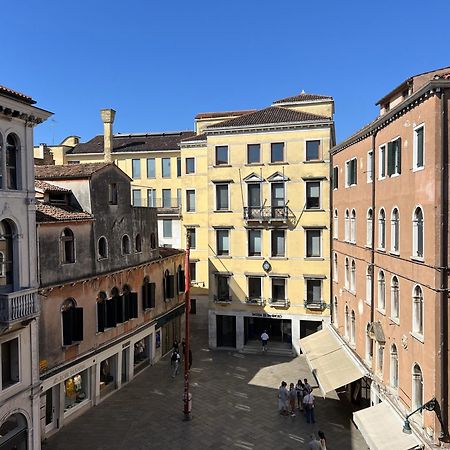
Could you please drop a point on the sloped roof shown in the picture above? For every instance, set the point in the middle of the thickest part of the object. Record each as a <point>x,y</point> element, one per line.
<point>52,213</point>
<point>47,187</point>
<point>134,142</point>
<point>213,115</point>
<point>197,137</point>
<point>272,114</point>
<point>168,251</point>
<point>50,172</point>
<point>16,95</point>
<point>303,97</point>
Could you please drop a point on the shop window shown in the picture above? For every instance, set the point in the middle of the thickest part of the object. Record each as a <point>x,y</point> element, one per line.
<point>67,246</point>
<point>102,248</point>
<point>7,253</point>
<point>107,376</point>
<point>180,280</point>
<point>169,286</point>
<point>138,243</point>
<point>10,363</point>
<point>72,322</point>
<point>148,294</point>
<point>76,390</point>
<point>142,353</point>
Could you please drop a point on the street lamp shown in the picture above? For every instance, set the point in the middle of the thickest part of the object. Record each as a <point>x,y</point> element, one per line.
<point>429,406</point>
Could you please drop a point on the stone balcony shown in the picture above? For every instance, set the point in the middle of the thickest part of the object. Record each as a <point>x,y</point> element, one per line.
<point>279,302</point>
<point>257,301</point>
<point>18,306</point>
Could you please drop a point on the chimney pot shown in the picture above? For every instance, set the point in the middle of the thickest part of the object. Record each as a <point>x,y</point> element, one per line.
<point>108,116</point>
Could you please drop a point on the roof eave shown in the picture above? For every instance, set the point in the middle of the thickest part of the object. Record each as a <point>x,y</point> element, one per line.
<point>270,125</point>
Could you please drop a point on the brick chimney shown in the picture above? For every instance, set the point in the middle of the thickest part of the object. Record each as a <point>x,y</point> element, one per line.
<point>108,120</point>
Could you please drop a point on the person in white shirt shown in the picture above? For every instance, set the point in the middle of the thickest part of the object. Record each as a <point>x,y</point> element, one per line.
<point>264,340</point>
<point>308,404</point>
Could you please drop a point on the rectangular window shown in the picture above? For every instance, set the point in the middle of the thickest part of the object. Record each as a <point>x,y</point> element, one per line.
<point>223,242</point>
<point>192,271</point>
<point>254,195</point>
<point>278,289</point>
<point>221,155</point>
<point>312,150</point>
<point>350,172</point>
<point>10,363</point>
<point>151,198</point>
<point>418,160</point>
<point>151,168</point>
<point>112,193</point>
<point>277,194</point>
<point>335,177</point>
<point>313,195</point>
<point>222,197</point>
<point>193,238</point>
<point>313,291</point>
<point>394,157</point>
<point>190,200</point>
<point>254,243</point>
<point>136,168</point>
<point>178,167</point>
<point>277,152</point>
<point>370,166</point>
<point>137,201</point>
<point>167,228</point>
<point>223,290</point>
<point>278,243</point>
<point>253,153</point>
<point>190,165</point>
<point>166,198</point>
<point>254,288</point>
<point>313,243</point>
<point>165,162</point>
<point>382,161</point>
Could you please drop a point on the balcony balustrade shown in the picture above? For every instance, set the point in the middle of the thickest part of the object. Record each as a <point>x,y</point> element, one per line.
<point>258,301</point>
<point>18,306</point>
<point>224,298</point>
<point>266,213</point>
<point>316,305</point>
<point>279,302</point>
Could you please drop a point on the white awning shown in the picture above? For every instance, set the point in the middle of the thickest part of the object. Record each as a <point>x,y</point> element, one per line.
<point>329,360</point>
<point>382,428</point>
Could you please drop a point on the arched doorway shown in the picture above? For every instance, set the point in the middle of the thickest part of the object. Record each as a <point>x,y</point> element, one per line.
<point>14,433</point>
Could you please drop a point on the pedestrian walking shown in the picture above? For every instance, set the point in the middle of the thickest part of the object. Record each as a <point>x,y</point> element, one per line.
<point>264,340</point>
<point>314,444</point>
<point>308,387</point>
<point>322,440</point>
<point>292,397</point>
<point>176,346</point>
<point>176,363</point>
<point>283,396</point>
<point>308,404</point>
<point>300,389</point>
<point>183,346</point>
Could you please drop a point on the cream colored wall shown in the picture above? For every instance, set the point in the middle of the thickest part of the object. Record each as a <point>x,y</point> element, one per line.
<point>322,109</point>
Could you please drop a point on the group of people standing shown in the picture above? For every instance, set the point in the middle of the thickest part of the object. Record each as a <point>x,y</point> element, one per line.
<point>175,359</point>
<point>299,396</point>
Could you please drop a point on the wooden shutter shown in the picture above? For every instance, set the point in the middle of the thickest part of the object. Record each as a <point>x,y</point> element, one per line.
<point>181,284</point>
<point>77,324</point>
<point>67,321</point>
<point>127,307</point>
<point>145,304</point>
<point>120,309</point>
<point>133,305</point>
<point>354,171</point>
<point>101,316</point>
<point>171,286</point>
<point>111,314</point>
<point>398,145</point>
<point>390,159</point>
<point>335,177</point>
<point>152,295</point>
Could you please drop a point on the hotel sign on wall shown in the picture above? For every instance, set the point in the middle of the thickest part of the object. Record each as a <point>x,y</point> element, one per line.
<point>271,316</point>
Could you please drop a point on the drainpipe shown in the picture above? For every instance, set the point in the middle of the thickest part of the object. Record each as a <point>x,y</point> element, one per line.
<point>330,237</point>
<point>443,264</point>
<point>374,224</point>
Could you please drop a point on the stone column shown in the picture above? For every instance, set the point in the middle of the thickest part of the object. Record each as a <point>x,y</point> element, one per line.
<point>108,120</point>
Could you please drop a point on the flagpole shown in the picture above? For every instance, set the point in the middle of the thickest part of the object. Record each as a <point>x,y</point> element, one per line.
<point>187,283</point>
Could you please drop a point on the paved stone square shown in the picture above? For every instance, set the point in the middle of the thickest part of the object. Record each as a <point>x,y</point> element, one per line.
<point>234,406</point>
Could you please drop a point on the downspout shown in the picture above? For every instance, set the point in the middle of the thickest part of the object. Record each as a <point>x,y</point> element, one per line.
<point>374,224</point>
<point>443,264</point>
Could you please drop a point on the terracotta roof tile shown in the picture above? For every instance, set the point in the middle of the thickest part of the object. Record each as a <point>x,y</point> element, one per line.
<point>51,213</point>
<point>16,95</point>
<point>47,187</point>
<point>68,171</point>
<point>303,97</point>
<point>212,115</point>
<point>270,115</point>
<point>134,142</point>
<point>198,137</point>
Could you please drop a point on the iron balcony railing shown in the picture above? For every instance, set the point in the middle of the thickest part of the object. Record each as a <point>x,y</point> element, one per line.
<point>169,203</point>
<point>266,213</point>
<point>222,298</point>
<point>259,301</point>
<point>18,306</point>
<point>279,302</point>
<point>317,305</point>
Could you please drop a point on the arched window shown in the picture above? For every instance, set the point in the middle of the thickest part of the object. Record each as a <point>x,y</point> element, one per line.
<point>12,156</point>
<point>395,231</point>
<point>368,344</point>
<point>394,366</point>
<point>347,323</point>
<point>353,226</point>
<point>335,225</point>
<point>417,325</point>
<point>353,328</point>
<point>353,277</point>
<point>381,291</point>
<point>369,284</point>
<point>102,248</point>
<point>347,273</point>
<point>152,241</point>
<point>72,322</point>
<point>126,245</point>
<point>14,432</point>
<point>335,312</point>
<point>101,312</point>
<point>417,387</point>
<point>67,246</point>
<point>138,243</point>
<point>418,233</point>
<point>347,226</point>
<point>335,267</point>
<point>382,229</point>
<point>7,253</point>
<point>369,226</point>
<point>395,297</point>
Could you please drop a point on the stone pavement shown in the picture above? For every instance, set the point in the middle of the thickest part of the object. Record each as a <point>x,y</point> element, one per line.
<point>234,407</point>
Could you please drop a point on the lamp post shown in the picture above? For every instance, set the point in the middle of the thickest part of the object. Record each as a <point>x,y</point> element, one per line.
<point>187,397</point>
<point>429,406</point>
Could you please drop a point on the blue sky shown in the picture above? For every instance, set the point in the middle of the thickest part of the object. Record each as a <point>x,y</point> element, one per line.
<point>160,63</point>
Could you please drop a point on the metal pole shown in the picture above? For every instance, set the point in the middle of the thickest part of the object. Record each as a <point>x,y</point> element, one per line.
<point>187,283</point>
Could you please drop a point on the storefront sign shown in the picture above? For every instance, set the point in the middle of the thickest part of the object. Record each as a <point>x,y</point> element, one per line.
<point>63,376</point>
<point>272,316</point>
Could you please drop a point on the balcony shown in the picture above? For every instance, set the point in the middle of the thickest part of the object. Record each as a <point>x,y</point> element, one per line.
<point>315,305</point>
<point>18,306</point>
<point>279,302</point>
<point>166,206</point>
<point>266,213</point>
<point>258,301</point>
<point>222,298</point>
